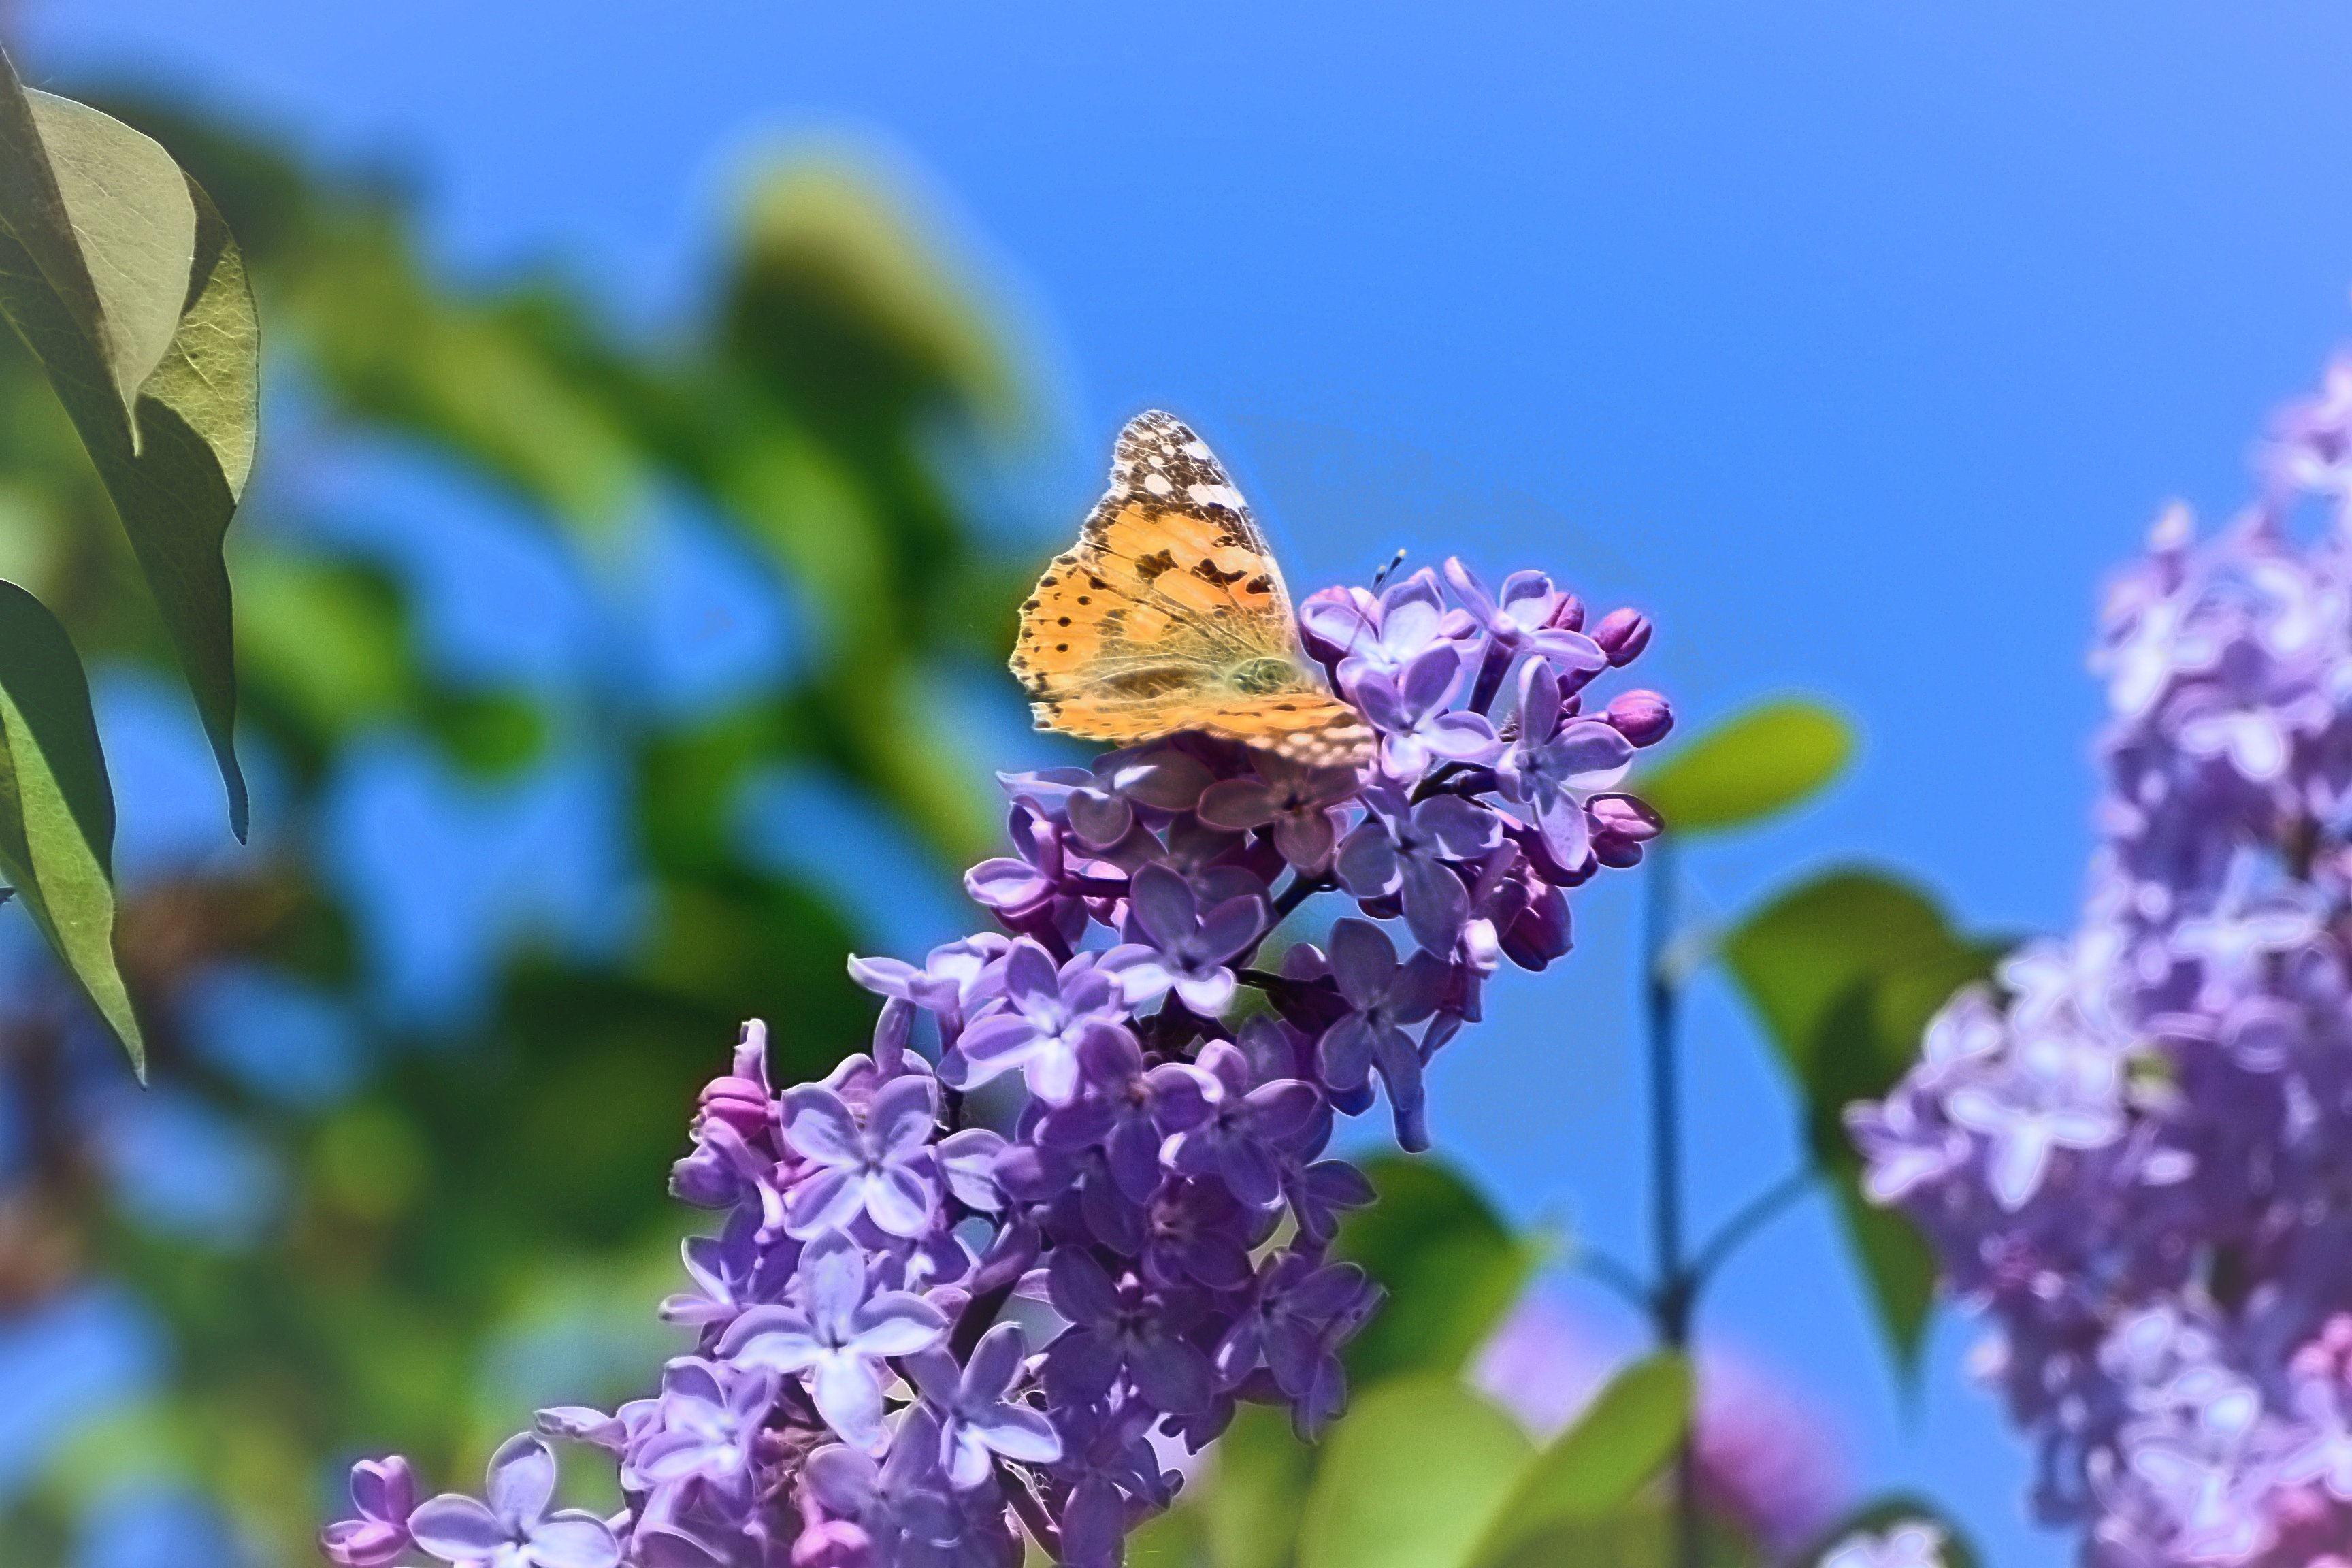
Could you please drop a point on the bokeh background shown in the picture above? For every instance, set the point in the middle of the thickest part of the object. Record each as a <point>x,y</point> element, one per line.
<point>666,405</point>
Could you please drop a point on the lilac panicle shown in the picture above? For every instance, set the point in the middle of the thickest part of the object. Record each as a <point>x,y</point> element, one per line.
<point>2134,1156</point>
<point>1078,1108</point>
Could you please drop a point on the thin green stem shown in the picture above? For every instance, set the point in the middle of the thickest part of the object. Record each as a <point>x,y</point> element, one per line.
<point>1671,1301</point>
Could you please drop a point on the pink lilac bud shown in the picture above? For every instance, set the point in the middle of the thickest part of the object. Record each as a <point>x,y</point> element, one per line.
<point>1622,635</point>
<point>1568,616</point>
<point>1642,717</point>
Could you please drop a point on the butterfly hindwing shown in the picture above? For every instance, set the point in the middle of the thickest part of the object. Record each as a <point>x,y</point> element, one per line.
<point>1170,614</point>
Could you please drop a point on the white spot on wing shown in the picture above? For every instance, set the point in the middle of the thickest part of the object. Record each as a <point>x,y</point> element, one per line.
<point>1157,484</point>
<point>1216,495</point>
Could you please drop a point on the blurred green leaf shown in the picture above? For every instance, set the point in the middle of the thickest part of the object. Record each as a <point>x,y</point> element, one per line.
<point>1449,1267</point>
<point>1594,1467</point>
<point>1845,972</point>
<point>1897,1263</point>
<point>1799,955</point>
<point>1170,1539</point>
<point>57,810</point>
<point>1411,1478</point>
<point>1255,1490</point>
<point>1882,1514</point>
<point>1751,765</point>
<point>492,735</point>
<point>123,278</point>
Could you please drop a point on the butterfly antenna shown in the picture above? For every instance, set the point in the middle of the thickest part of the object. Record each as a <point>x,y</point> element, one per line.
<point>1382,575</point>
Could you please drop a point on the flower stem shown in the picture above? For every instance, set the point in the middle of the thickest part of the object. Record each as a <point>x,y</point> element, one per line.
<point>1671,1303</point>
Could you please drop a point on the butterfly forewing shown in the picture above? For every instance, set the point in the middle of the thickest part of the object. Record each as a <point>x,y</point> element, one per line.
<point>1168,613</point>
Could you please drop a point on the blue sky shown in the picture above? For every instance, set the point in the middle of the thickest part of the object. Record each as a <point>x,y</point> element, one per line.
<point>1853,342</point>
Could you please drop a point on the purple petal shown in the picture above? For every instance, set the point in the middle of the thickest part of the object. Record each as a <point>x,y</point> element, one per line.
<point>1020,1434</point>
<point>1237,804</point>
<point>1538,702</point>
<point>899,1201</point>
<point>1376,696</point>
<point>785,1344</point>
<point>1208,994</point>
<point>1004,884</point>
<point>1436,904</point>
<point>848,1394</point>
<point>833,1276</point>
<point>885,976</point>
<point>574,1539</point>
<point>996,1043</point>
<point>842,1478</point>
<point>457,1529</point>
<point>897,1322</point>
<point>1030,979</point>
<point>1306,838</point>
<point>900,1118</point>
<point>1587,750</point>
<point>820,1124</point>
<point>1465,828</point>
<point>995,1362</point>
<point>1171,1375</point>
<point>1099,820</point>
<point>1429,680</point>
<point>1567,834</point>
<point>1280,1109</point>
<point>826,1201</point>
<point>1461,738</point>
<point>1081,1291</point>
<point>1231,927</point>
<point>521,1481</point>
<point>1346,1053</point>
<point>935,1374</point>
<point>1163,906</point>
<point>1364,961</point>
<point>1181,1095</point>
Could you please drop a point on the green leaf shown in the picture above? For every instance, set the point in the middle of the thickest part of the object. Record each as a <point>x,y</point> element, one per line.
<point>1896,1262</point>
<point>1845,972</point>
<point>121,278</point>
<point>1169,1540</point>
<point>1255,1489</point>
<point>1796,957</point>
<point>1449,1267</point>
<point>1882,1514</point>
<point>1411,1478</point>
<point>57,810</point>
<point>1639,1536</point>
<point>1594,1469</point>
<point>1758,763</point>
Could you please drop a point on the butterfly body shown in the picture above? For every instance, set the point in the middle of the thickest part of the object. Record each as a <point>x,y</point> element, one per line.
<point>1170,615</point>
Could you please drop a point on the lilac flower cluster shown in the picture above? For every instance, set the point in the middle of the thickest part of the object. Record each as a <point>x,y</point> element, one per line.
<point>1098,1130</point>
<point>2136,1158</point>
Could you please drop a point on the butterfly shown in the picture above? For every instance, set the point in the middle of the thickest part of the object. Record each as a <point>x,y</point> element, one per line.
<point>1168,613</point>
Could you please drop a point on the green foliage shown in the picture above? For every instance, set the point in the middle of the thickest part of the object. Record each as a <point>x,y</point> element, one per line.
<point>1411,1478</point>
<point>1756,763</point>
<point>1594,1470</point>
<point>506,1169</point>
<point>56,812</point>
<point>124,279</point>
<point>1844,971</point>
<point>1450,1267</point>
<point>1249,1502</point>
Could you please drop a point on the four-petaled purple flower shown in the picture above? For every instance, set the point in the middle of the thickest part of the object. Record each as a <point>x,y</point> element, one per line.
<point>1417,729</point>
<point>1404,849</point>
<point>976,1422</point>
<point>1556,763</point>
<point>838,1339</point>
<point>1128,1109</point>
<point>1246,1136</point>
<point>1187,949</point>
<point>1118,1329</point>
<point>514,1529</point>
<point>1385,999</point>
<point>877,1167</point>
<point>1296,801</point>
<point>1048,1012</point>
<point>1364,635</point>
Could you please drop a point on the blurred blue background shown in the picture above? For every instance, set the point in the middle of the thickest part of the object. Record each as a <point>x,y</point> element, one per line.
<point>1854,342</point>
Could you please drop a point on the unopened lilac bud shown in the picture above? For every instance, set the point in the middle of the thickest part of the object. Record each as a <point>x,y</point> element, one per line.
<point>740,1103</point>
<point>1622,635</point>
<point>1568,616</point>
<point>1642,717</point>
<point>1621,825</point>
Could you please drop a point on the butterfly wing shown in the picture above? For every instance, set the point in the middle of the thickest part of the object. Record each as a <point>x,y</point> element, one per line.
<point>1168,613</point>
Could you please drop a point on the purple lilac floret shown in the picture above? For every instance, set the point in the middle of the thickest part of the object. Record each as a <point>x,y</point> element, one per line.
<point>2134,1156</point>
<point>1101,1130</point>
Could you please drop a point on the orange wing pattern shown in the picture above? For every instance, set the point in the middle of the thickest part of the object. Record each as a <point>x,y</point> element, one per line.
<point>1168,613</point>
